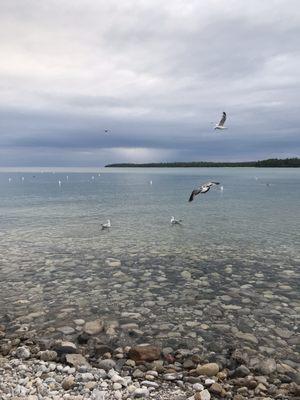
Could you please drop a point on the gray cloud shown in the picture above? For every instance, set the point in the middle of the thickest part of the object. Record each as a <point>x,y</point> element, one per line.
<point>155,74</point>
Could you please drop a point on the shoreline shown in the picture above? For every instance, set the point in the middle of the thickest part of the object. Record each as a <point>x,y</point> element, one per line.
<point>84,367</point>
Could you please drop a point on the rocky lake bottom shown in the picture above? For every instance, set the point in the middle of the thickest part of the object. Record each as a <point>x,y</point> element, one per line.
<point>213,307</point>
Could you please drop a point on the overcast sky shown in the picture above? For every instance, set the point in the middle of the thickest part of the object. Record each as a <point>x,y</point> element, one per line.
<point>155,73</point>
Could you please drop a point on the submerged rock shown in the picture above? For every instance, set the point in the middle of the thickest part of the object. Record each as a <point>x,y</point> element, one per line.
<point>144,353</point>
<point>65,347</point>
<point>113,262</point>
<point>267,366</point>
<point>66,330</point>
<point>94,327</point>
<point>248,337</point>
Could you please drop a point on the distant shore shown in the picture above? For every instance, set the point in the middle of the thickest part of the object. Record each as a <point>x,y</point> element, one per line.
<point>269,163</point>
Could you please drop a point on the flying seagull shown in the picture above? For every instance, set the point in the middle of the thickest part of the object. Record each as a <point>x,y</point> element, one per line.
<point>175,221</point>
<point>106,130</point>
<point>106,226</point>
<point>220,125</point>
<point>202,189</point>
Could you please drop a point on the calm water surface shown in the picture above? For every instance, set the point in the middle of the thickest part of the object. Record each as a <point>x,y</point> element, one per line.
<point>230,271</point>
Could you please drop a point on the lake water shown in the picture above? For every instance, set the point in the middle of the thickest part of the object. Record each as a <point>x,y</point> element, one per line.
<point>229,276</point>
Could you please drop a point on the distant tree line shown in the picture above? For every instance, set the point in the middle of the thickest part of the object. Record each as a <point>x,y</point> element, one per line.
<point>270,163</point>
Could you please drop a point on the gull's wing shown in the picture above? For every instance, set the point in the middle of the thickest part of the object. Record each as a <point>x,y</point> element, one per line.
<point>223,119</point>
<point>194,193</point>
<point>210,184</point>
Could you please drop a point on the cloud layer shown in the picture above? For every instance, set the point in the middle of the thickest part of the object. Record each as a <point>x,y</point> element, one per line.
<point>155,74</point>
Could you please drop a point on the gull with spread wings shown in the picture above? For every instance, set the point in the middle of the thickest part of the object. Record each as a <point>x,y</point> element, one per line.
<point>202,189</point>
<point>220,125</point>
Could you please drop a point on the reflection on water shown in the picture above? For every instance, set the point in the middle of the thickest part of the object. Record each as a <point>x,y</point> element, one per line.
<point>228,275</point>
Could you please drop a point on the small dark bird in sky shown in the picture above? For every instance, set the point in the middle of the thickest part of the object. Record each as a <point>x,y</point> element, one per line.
<point>202,189</point>
<point>106,130</point>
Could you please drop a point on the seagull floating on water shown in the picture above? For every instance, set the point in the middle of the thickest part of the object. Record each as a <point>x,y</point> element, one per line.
<point>202,189</point>
<point>220,125</point>
<point>106,226</point>
<point>175,221</point>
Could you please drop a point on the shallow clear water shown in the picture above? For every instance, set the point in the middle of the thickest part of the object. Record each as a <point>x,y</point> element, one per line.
<point>229,270</point>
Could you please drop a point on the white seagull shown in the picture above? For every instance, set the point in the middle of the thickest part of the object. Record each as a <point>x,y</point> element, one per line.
<point>220,125</point>
<point>175,221</point>
<point>202,189</point>
<point>106,226</point>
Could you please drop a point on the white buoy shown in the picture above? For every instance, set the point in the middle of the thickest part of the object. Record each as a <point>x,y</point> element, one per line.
<point>67,177</point>
<point>23,179</point>
<point>150,182</point>
<point>93,177</point>
<point>9,179</point>
<point>99,174</point>
<point>59,183</point>
<point>222,188</point>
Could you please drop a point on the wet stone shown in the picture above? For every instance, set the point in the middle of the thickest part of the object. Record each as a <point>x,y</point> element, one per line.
<point>113,262</point>
<point>65,347</point>
<point>106,364</point>
<point>203,395</point>
<point>66,330</point>
<point>68,382</point>
<point>144,353</point>
<point>210,369</point>
<point>76,360</point>
<point>242,371</point>
<point>23,353</point>
<point>48,355</point>
<point>93,327</point>
<point>267,366</point>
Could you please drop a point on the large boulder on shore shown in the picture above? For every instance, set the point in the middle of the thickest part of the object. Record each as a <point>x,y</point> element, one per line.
<point>144,353</point>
